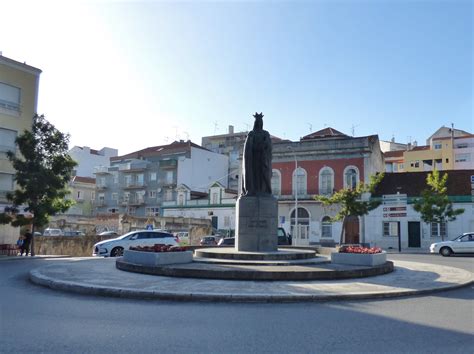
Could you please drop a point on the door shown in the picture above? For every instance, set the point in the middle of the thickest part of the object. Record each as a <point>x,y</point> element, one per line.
<point>414,234</point>
<point>214,222</point>
<point>352,230</point>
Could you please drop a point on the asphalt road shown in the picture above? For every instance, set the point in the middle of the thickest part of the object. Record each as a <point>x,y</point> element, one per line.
<point>36,319</point>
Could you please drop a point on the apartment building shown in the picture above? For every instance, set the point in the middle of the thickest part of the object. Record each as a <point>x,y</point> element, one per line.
<point>83,194</point>
<point>138,183</point>
<point>19,85</point>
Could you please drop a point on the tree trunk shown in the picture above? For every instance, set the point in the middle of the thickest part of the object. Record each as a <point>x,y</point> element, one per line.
<point>342,238</point>
<point>32,243</point>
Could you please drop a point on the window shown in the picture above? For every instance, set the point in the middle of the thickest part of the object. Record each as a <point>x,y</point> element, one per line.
<point>215,198</point>
<point>181,199</point>
<point>6,182</point>
<point>153,176</point>
<point>400,167</point>
<point>101,198</point>
<point>438,146</point>
<point>7,140</point>
<point>168,195</point>
<point>299,180</point>
<point>140,179</point>
<point>128,180</point>
<point>227,221</point>
<point>101,182</point>
<point>152,211</point>
<point>114,196</point>
<point>131,210</point>
<point>438,229</point>
<point>79,195</point>
<point>93,195</point>
<point>112,210</point>
<point>351,177</point>
<point>276,182</point>
<point>326,229</point>
<point>126,197</point>
<point>390,228</point>
<point>447,160</point>
<point>461,146</point>
<point>463,158</point>
<point>151,194</point>
<point>415,164</point>
<point>115,177</point>
<point>9,97</point>
<point>326,181</point>
<point>169,177</point>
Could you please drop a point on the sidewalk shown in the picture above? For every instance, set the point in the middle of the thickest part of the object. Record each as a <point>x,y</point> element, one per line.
<point>19,258</point>
<point>100,277</point>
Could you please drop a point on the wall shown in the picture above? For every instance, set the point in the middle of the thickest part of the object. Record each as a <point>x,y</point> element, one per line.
<point>202,169</point>
<point>87,161</point>
<point>75,246</point>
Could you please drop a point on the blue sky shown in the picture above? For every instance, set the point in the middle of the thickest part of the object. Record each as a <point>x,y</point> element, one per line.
<point>133,74</point>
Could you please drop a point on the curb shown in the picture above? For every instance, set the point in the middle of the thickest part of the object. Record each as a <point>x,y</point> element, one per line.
<point>24,258</point>
<point>73,287</point>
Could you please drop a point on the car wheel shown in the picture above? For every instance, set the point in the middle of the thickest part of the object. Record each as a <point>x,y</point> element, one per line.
<point>116,252</point>
<point>445,251</point>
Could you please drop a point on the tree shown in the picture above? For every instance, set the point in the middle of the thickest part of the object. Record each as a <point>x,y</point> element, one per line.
<point>43,170</point>
<point>434,204</point>
<point>350,202</point>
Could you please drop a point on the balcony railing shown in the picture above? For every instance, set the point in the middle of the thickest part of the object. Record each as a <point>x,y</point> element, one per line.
<point>132,167</point>
<point>168,164</point>
<point>101,170</point>
<point>132,185</point>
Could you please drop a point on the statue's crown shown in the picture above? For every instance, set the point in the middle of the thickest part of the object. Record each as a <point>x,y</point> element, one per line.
<point>258,115</point>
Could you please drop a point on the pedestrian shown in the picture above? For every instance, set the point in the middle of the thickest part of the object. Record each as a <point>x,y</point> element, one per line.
<point>20,242</point>
<point>26,243</point>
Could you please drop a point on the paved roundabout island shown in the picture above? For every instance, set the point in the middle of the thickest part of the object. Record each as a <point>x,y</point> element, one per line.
<point>101,277</point>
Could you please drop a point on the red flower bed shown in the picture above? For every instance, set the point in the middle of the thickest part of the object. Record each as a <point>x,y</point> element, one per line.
<point>158,248</point>
<point>360,249</point>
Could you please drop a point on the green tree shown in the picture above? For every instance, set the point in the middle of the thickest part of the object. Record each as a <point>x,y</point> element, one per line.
<point>43,170</point>
<point>434,204</point>
<point>350,202</point>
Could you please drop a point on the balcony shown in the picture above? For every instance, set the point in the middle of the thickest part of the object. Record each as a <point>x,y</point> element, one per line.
<point>129,167</point>
<point>168,164</point>
<point>101,187</point>
<point>134,185</point>
<point>136,201</point>
<point>101,170</point>
<point>101,203</point>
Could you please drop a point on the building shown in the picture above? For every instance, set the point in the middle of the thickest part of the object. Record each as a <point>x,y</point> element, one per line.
<point>320,163</point>
<point>83,194</point>
<point>443,153</point>
<point>231,145</point>
<point>217,205</point>
<point>88,159</point>
<point>391,145</point>
<point>138,183</point>
<point>396,225</point>
<point>19,85</point>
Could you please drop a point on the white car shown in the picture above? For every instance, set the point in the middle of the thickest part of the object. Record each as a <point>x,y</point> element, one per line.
<point>462,244</point>
<point>114,247</point>
<point>53,232</point>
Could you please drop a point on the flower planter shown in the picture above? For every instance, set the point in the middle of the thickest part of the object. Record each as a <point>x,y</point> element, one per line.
<point>359,259</point>
<point>157,258</point>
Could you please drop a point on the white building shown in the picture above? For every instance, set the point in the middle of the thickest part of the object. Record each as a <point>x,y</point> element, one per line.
<point>87,159</point>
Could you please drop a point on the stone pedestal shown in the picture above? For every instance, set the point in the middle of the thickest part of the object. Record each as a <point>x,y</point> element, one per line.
<point>256,224</point>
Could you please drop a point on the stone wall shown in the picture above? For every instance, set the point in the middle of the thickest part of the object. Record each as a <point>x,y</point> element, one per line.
<point>75,246</point>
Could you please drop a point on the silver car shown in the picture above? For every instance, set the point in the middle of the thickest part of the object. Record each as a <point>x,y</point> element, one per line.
<point>115,247</point>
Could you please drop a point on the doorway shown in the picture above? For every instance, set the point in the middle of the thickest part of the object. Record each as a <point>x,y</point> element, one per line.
<point>414,234</point>
<point>352,230</point>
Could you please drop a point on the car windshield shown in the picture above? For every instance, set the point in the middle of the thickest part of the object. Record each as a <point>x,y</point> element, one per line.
<point>457,238</point>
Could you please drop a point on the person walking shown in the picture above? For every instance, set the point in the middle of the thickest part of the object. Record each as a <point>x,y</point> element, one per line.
<point>26,243</point>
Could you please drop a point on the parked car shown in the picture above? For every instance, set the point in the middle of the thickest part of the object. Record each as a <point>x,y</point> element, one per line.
<point>208,241</point>
<point>53,232</point>
<point>74,233</point>
<point>228,241</point>
<point>115,247</point>
<point>462,244</point>
<point>182,237</point>
<point>283,238</point>
<point>108,233</point>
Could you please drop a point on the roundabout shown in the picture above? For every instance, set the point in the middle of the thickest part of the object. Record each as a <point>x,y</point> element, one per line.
<point>101,277</point>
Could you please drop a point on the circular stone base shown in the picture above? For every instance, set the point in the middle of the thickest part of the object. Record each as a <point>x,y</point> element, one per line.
<point>230,253</point>
<point>257,272</point>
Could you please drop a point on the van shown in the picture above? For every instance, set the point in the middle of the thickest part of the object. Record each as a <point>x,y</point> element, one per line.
<point>53,232</point>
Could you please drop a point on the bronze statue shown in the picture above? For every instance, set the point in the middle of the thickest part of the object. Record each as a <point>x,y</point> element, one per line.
<point>257,163</point>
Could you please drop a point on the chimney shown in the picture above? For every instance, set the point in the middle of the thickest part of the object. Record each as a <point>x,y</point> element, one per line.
<point>231,129</point>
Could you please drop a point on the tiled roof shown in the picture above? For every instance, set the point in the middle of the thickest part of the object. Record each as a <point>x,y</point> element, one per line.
<point>83,179</point>
<point>413,183</point>
<point>419,148</point>
<point>174,147</point>
<point>397,153</point>
<point>324,133</point>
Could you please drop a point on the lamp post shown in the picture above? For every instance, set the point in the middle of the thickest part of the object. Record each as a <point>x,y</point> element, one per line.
<point>296,232</point>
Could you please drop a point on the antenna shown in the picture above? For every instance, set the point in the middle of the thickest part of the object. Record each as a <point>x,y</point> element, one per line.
<point>187,135</point>
<point>215,127</point>
<point>353,128</point>
<point>310,127</point>
<point>176,133</point>
<point>247,127</point>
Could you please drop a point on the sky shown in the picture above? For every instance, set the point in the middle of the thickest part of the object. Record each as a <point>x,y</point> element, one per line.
<point>135,74</point>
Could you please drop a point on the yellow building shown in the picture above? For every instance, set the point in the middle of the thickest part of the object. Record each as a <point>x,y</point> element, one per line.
<point>18,102</point>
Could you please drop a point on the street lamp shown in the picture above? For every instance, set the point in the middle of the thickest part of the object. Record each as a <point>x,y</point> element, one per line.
<point>296,232</point>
